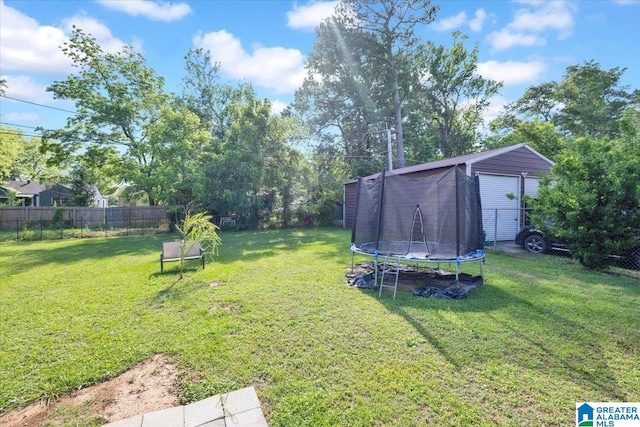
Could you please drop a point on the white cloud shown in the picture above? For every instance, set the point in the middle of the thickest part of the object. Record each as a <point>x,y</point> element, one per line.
<point>476,23</point>
<point>450,23</point>
<point>28,47</point>
<point>275,68</point>
<point>21,118</point>
<point>533,24</point>
<point>26,88</point>
<point>97,30</point>
<point>308,17</point>
<point>278,106</point>
<point>512,72</point>
<point>496,106</point>
<point>626,2</point>
<point>157,11</point>
<point>505,39</point>
<point>554,15</point>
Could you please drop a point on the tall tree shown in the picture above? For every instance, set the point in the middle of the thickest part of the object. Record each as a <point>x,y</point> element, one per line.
<point>11,147</point>
<point>336,99</point>
<point>20,157</point>
<point>117,99</point>
<point>390,25</point>
<point>205,95</point>
<point>592,100</point>
<point>177,145</point>
<point>251,172</point>
<point>451,96</point>
<point>544,137</point>
<point>80,178</point>
<point>588,102</point>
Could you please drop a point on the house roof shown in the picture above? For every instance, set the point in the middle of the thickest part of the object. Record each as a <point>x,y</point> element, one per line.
<point>25,189</point>
<point>467,159</point>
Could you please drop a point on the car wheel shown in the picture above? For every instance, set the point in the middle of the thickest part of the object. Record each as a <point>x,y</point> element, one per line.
<point>632,260</point>
<point>535,243</point>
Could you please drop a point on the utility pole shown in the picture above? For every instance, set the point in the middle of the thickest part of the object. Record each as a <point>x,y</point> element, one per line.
<point>389,150</point>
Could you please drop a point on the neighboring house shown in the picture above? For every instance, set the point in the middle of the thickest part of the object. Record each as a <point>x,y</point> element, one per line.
<point>27,192</point>
<point>139,199</point>
<point>31,193</point>
<point>505,176</point>
<point>56,195</point>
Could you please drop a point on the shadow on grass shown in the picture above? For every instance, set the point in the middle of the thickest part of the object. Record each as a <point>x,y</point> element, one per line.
<point>480,300</point>
<point>255,245</point>
<point>579,351</point>
<point>245,245</point>
<point>179,289</point>
<point>26,255</point>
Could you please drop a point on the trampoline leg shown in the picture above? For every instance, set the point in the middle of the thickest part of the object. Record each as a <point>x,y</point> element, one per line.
<point>381,279</point>
<point>352,256</point>
<point>375,271</point>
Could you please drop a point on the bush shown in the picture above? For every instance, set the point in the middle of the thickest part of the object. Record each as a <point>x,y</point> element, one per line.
<point>590,201</point>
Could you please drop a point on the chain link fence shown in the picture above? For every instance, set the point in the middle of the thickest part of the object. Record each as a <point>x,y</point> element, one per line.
<point>41,223</point>
<point>501,226</point>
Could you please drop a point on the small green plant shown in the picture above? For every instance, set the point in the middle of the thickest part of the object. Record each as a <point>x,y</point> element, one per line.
<point>197,229</point>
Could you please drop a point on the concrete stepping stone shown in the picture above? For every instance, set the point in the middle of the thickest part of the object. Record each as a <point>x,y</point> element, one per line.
<point>240,408</point>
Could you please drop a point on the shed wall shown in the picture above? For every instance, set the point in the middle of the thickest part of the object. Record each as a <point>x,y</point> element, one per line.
<point>513,163</point>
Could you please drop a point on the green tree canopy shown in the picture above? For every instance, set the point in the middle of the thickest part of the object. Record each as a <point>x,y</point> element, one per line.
<point>21,158</point>
<point>449,100</point>
<point>11,147</point>
<point>390,26</point>
<point>591,200</point>
<point>357,75</point>
<point>118,98</point>
<point>588,102</point>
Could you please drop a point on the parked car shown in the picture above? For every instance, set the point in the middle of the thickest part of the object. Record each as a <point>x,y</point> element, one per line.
<point>533,240</point>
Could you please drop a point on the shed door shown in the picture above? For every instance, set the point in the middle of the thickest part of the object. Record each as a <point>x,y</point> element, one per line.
<point>500,214</point>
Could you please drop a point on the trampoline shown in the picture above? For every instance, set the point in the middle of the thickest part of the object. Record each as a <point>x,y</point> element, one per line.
<point>430,219</point>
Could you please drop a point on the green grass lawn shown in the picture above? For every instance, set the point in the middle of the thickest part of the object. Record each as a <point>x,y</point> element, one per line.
<point>273,311</point>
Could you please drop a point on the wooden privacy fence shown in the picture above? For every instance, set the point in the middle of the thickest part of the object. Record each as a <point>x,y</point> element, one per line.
<point>17,217</point>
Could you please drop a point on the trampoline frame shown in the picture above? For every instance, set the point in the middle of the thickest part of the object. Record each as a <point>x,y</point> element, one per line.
<point>479,256</point>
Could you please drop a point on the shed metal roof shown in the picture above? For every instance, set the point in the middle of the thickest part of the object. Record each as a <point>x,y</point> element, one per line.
<point>467,159</point>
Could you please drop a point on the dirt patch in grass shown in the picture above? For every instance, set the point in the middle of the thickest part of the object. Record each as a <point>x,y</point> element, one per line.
<point>148,386</point>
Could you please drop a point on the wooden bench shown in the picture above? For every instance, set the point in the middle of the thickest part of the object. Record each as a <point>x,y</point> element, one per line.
<point>171,252</point>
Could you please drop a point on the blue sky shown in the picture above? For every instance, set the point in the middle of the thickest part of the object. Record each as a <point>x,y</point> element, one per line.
<point>266,42</point>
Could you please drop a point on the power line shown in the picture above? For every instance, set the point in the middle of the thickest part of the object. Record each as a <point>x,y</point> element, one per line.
<point>17,125</point>
<point>9,132</point>
<point>39,105</point>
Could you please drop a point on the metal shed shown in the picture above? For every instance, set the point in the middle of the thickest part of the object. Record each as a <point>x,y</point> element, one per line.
<point>506,174</point>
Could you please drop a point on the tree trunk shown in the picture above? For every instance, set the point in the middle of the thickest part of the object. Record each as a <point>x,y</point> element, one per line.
<point>398,119</point>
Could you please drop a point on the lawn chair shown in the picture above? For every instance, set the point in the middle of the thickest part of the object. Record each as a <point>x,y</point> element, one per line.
<point>171,252</point>
<point>226,220</point>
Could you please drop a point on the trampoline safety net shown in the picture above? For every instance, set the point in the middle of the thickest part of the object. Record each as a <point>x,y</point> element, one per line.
<point>434,217</point>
